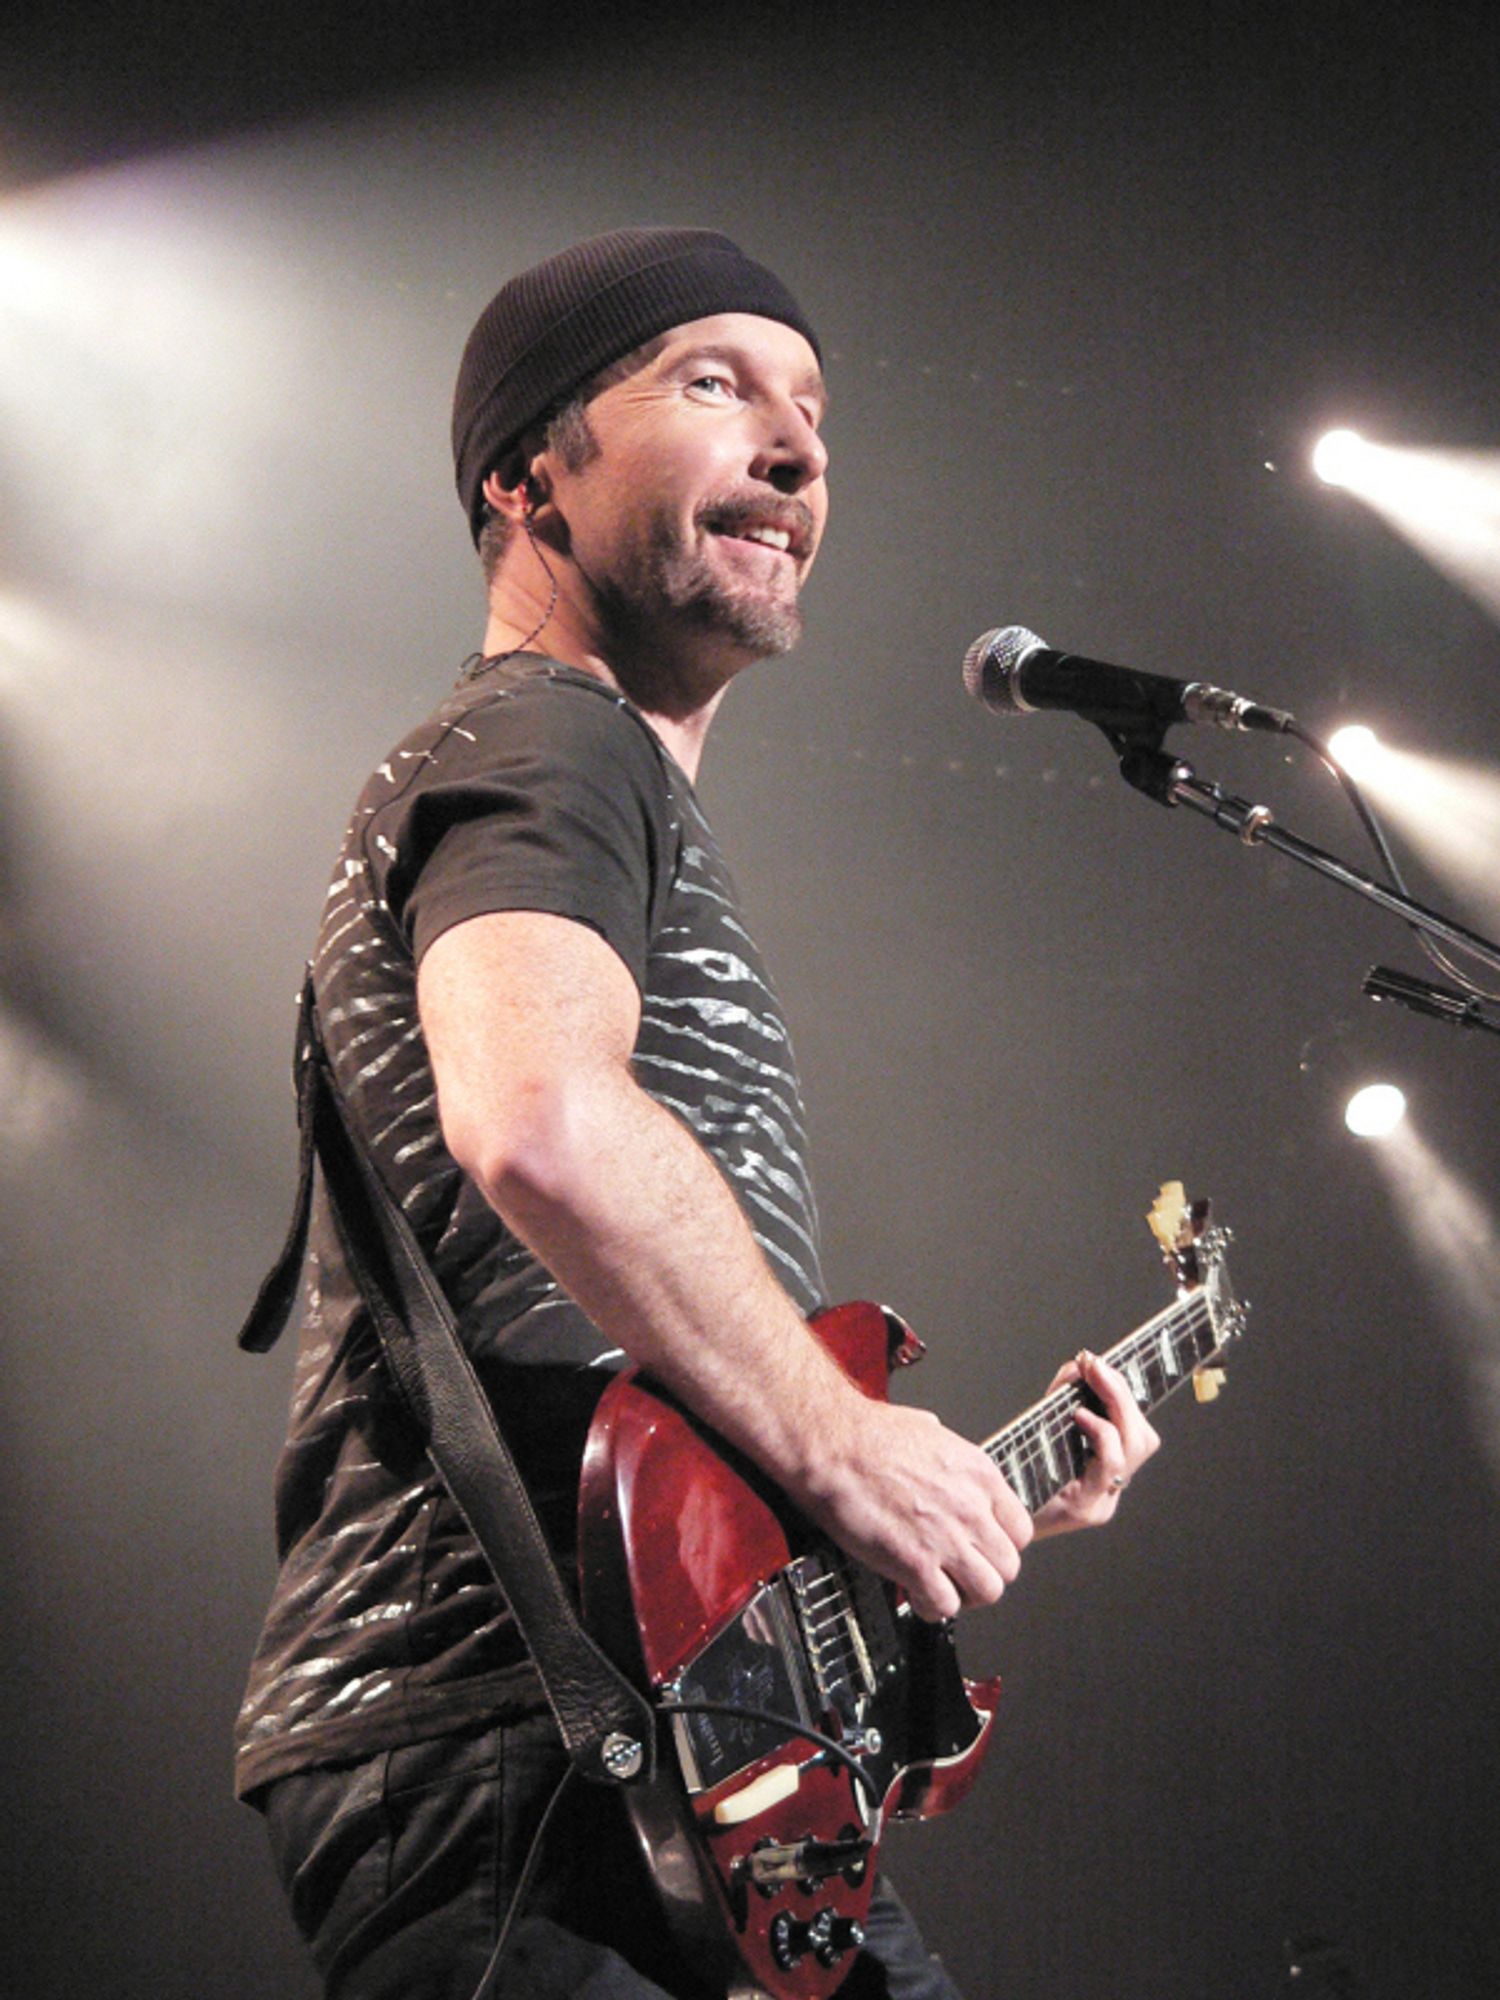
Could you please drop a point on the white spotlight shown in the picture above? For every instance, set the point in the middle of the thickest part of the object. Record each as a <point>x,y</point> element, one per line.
<point>1375,1111</point>
<point>1338,456</point>
<point>1358,749</point>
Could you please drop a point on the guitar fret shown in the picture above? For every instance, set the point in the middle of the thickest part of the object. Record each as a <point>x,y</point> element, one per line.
<point>1036,1468</point>
<point>1135,1376</point>
<point>1044,1449</point>
<point>1077,1456</point>
<point>1047,1458</point>
<point>1153,1377</point>
<point>1018,1473</point>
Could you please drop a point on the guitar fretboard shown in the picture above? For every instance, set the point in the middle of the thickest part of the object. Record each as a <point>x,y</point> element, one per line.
<point>1043,1449</point>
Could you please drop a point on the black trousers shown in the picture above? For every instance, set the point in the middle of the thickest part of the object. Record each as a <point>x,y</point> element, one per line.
<point>400,1870</point>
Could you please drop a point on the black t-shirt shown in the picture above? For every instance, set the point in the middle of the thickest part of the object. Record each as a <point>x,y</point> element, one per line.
<point>533,787</point>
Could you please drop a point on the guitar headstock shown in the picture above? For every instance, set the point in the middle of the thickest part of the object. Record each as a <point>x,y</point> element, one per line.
<point>1179,1226</point>
<point>1194,1256</point>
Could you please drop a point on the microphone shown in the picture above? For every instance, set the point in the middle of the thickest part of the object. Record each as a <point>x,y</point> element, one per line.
<point>1012,672</point>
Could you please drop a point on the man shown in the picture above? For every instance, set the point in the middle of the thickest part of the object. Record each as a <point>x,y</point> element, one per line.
<point>562,1052</point>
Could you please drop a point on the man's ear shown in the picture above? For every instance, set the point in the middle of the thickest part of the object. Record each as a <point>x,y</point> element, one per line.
<point>512,491</point>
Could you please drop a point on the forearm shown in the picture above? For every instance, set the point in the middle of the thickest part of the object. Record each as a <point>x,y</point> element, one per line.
<point>639,1226</point>
<point>637,1223</point>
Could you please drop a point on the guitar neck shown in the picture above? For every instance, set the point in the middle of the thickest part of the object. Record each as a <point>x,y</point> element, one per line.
<point>1044,1448</point>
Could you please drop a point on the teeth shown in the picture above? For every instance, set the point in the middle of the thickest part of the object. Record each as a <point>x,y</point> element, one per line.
<point>774,538</point>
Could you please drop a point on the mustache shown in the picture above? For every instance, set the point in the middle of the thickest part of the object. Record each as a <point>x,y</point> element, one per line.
<point>735,512</point>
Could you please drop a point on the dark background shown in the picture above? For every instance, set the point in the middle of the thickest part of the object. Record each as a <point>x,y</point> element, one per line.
<point>1091,279</point>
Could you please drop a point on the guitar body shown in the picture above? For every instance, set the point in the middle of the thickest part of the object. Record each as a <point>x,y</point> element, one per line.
<point>706,1587</point>
<point>703,1584</point>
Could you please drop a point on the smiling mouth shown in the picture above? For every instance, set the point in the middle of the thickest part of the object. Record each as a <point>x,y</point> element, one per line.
<point>766,538</point>
<point>787,536</point>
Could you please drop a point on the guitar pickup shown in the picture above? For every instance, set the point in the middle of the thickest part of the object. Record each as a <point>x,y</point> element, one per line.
<point>804,1860</point>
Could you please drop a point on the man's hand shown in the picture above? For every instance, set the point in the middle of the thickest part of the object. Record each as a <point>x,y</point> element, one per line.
<point>918,1503</point>
<point>1121,1441</point>
<point>929,1510</point>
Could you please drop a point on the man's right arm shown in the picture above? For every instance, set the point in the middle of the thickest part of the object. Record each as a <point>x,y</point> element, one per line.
<point>530,1020</point>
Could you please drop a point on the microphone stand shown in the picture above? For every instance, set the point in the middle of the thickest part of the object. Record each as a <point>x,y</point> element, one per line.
<point>1172,782</point>
<point>1426,996</point>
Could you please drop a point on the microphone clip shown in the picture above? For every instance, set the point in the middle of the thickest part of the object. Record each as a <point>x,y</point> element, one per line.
<point>1144,764</point>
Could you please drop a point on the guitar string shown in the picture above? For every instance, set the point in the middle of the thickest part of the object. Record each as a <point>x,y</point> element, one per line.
<point>1057,1409</point>
<point>1050,1441</point>
<point>837,1653</point>
<point>1062,1402</point>
<point>1036,1439</point>
<point>827,1633</point>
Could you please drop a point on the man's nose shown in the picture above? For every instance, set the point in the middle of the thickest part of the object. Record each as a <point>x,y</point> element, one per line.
<point>793,455</point>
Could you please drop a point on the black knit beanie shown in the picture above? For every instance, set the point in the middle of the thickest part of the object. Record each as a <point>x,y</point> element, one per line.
<point>548,330</point>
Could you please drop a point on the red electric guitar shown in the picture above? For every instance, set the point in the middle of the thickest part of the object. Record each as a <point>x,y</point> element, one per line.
<point>813,1703</point>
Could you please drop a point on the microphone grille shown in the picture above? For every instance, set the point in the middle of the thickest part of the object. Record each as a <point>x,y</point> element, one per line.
<point>990,667</point>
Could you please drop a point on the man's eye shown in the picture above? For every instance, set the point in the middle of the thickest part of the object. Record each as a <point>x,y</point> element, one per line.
<point>714,385</point>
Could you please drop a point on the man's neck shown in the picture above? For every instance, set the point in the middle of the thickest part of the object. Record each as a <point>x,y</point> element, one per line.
<point>520,625</point>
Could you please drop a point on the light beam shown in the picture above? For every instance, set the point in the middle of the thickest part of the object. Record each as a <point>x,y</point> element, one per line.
<point>1448,811</point>
<point>1445,503</point>
<point>1457,1239</point>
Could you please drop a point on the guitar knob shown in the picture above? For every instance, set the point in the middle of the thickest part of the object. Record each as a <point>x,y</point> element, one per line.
<point>789,1940</point>
<point>827,1936</point>
<point>831,1936</point>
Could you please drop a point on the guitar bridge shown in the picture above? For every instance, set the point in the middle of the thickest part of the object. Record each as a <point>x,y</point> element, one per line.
<point>842,1668</point>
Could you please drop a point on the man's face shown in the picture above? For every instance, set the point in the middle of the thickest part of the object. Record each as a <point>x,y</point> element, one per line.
<point>698,518</point>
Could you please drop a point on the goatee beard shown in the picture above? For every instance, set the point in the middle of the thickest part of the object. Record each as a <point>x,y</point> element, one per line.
<point>673,584</point>
<point>684,579</point>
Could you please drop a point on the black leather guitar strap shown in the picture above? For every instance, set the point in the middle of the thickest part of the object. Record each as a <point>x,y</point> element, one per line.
<point>606,1724</point>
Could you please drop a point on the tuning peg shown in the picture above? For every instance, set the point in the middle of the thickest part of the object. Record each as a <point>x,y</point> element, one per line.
<point>1207,1382</point>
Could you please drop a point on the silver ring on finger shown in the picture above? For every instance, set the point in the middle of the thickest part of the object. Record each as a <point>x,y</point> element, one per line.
<point>1118,1482</point>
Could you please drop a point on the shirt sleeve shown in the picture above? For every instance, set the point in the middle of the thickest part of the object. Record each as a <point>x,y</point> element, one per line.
<point>548,796</point>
